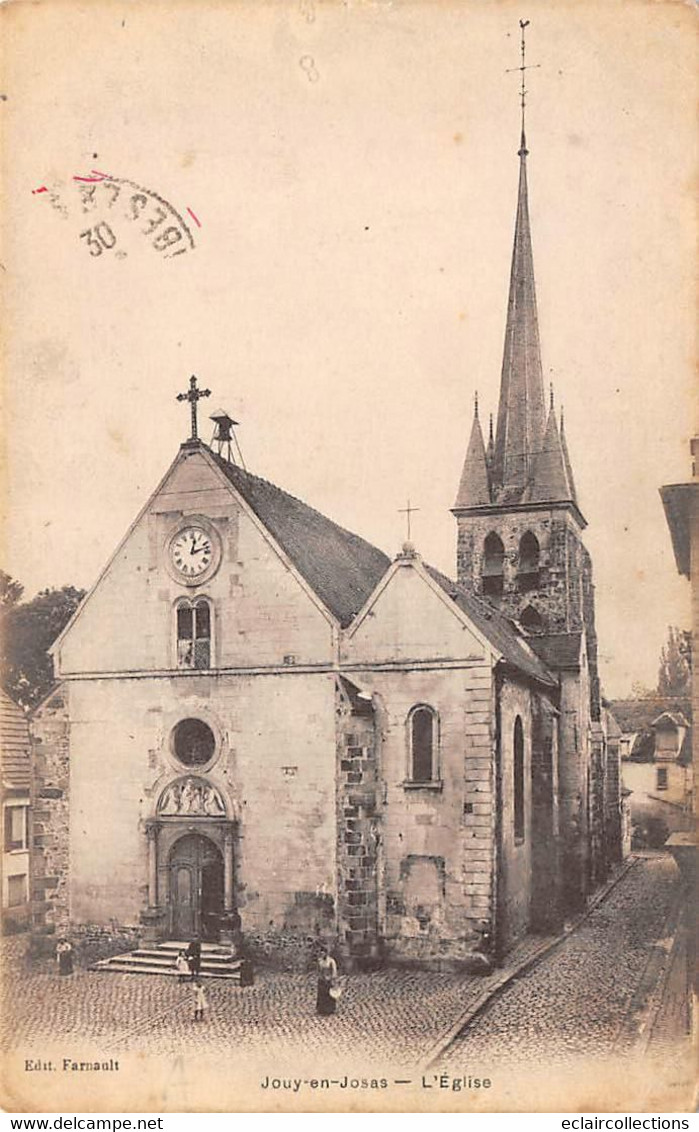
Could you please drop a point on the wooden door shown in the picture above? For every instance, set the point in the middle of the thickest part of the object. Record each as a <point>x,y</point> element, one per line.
<point>196,888</point>
<point>183,892</point>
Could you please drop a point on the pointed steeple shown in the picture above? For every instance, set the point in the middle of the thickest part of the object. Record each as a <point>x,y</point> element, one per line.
<point>566,458</point>
<point>474,488</point>
<point>550,476</point>
<point>521,413</point>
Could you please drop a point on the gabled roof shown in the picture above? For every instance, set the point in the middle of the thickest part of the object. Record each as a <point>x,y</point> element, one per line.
<point>645,744</point>
<point>15,746</point>
<point>670,719</point>
<point>499,630</point>
<point>343,569</point>
<point>340,567</point>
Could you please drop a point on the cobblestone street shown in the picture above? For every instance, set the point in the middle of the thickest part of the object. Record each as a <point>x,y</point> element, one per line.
<point>571,1004</point>
<point>578,998</point>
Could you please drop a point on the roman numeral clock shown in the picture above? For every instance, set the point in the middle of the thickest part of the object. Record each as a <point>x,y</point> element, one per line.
<point>193,553</point>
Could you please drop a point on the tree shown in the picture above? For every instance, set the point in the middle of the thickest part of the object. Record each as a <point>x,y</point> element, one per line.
<point>10,591</point>
<point>674,672</point>
<point>28,630</point>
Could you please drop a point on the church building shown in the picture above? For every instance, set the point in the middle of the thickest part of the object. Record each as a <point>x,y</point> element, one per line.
<point>265,731</point>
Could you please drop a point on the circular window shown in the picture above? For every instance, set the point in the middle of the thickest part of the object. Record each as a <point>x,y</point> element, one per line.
<point>194,742</point>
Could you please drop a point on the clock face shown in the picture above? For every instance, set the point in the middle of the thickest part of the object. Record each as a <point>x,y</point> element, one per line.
<point>192,552</point>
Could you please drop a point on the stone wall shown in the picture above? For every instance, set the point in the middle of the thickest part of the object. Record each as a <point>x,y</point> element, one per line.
<point>358,828</point>
<point>514,862</point>
<point>50,796</point>
<point>273,763</point>
<point>562,594</point>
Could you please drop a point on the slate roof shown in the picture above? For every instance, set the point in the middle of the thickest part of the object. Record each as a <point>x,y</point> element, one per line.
<point>14,743</point>
<point>559,651</point>
<point>636,715</point>
<point>498,629</point>
<point>521,411</point>
<point>474,490</point>
<point>340,567</point>
<point>343,569</point>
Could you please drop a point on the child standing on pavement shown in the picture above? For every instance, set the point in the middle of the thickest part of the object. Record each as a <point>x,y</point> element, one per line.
<point>200,1002</point>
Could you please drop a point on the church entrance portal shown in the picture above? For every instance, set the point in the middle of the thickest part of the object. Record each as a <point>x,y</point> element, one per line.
<point>196,888</point>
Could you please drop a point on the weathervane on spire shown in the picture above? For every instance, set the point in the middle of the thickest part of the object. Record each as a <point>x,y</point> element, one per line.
<point>523,24</point>
<point>193,395</point>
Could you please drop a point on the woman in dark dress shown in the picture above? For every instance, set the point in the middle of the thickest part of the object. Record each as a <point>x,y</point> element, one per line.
<point>64,956</point>
<point>193,956</point>
<point>326,1003</point>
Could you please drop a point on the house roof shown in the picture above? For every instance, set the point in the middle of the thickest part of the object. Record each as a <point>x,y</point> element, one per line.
<point>559,651</point>
<point>678,501</point>
<point>14,741</point>
<point>343,569</point>
<point>670,719</point>
<point>340,567</point>
<point>637,714</point>
<point>644,747</point>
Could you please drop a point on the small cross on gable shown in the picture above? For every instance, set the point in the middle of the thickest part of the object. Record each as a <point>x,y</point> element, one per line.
<point>408,511</point>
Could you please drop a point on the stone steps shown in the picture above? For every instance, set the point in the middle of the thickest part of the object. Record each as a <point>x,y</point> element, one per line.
<point>216,962</point>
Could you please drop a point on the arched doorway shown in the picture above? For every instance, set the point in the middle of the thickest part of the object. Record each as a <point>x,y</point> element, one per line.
<point>196,888</point>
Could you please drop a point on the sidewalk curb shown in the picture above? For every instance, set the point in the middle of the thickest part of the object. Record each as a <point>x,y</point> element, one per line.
<point>517,969</point>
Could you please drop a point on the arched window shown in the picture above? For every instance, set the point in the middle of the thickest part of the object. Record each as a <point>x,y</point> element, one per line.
<point>423,744</point>
<point>493,564</point>
<point>519,780</point>
<point>531,619</point>
<point>528,565</point>
<point>194,634</point>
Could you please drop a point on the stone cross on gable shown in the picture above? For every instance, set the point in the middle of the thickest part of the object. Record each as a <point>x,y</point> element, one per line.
<point>193,395</point>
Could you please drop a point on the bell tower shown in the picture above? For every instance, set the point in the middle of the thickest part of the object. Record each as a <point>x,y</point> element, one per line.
<point>519,525</point>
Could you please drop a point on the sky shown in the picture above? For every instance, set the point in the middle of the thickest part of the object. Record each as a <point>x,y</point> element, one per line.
<point>348,174</point>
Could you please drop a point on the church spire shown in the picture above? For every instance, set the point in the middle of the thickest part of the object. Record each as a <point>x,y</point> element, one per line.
<point>566,459</point>
<point>521,412</point>
<point>550,476</point>
<point>474,488</point>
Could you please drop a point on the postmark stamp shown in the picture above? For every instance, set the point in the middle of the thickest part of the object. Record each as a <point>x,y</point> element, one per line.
<point>118,216</point>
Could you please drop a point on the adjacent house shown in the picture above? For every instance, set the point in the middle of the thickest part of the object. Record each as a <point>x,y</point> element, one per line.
<point>656,761</point>
<point>15,745</point>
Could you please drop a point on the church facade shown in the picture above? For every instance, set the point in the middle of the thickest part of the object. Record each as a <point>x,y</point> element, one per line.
<point>264,730</point>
